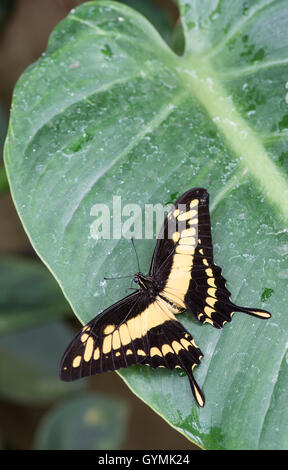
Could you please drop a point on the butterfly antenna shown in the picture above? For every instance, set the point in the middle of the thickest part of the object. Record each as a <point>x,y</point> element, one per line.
<point>120,277</point>
<point>138,264</point>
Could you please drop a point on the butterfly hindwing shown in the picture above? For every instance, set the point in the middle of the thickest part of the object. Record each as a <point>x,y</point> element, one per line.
<point>209,299</point>
<point>172,346</point>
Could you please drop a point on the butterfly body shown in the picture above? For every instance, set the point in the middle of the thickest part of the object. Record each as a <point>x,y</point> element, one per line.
<point>142,328</point>
<point>146,284</point>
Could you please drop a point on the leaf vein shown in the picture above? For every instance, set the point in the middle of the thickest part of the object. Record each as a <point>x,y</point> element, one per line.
<point>238,28</point>
<point>149,128</point>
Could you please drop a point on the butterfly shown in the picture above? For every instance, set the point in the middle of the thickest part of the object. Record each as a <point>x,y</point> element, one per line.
<point>143,327</point>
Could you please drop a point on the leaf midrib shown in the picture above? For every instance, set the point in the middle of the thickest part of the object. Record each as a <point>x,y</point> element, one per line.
<point>203,82</point>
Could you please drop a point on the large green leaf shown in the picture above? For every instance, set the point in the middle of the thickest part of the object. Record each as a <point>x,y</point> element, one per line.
<point>111,110</point>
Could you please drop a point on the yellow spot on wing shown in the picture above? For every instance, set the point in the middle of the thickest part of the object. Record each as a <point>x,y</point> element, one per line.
<point>175,237</point>
<point>198,396</point>
<point>176,346</point>
<point>194,203</point>
<point>193,342</point>
<point>124,334</point>
<point>209,311</point>
<point>107,343</point>
<point>77,361</point>
<point>209,272</point>
<point>261,314</point>
<point>185,343</point>
<point>187,215</point>
<point>140,352</point>
<point>155,352</point>
<point>188,241</point>
<point>176,212</point>
<point>211,292</point>
<point>116,343</point>
<point>134,327</point>
<point>188,232</point>
<point>88,349</point>
<point>109,329</point>
<point>211,282</point>
<point>129,352</point>
<point>84,337</point>
<point>185,249</point>
<point>96,354</point>
<point>167,349</point>
<point>211,301</point>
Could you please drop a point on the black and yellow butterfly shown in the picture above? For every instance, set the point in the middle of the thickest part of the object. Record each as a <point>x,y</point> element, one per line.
<point>142,328</point>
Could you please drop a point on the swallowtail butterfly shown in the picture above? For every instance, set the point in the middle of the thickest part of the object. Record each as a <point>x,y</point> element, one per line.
<point>143,328</point>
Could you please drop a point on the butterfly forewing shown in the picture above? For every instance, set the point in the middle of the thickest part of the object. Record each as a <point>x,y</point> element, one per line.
<point>135,330</point>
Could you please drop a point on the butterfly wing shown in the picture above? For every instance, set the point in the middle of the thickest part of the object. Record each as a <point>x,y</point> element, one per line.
<point>183,263</point>
<point>136,330</point>
<point>169,235</point>
<point>104,344</point>
<point>171,346</point>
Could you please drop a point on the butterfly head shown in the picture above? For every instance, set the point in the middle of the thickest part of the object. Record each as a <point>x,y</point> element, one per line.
<point>144,282</point>
<point>138,277</point>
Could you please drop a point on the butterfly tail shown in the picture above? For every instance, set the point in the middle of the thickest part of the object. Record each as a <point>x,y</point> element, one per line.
<point>255,312</point>
<point>196,390</point>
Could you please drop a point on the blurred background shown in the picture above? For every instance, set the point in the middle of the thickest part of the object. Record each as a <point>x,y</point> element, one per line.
<point>37,410</point>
